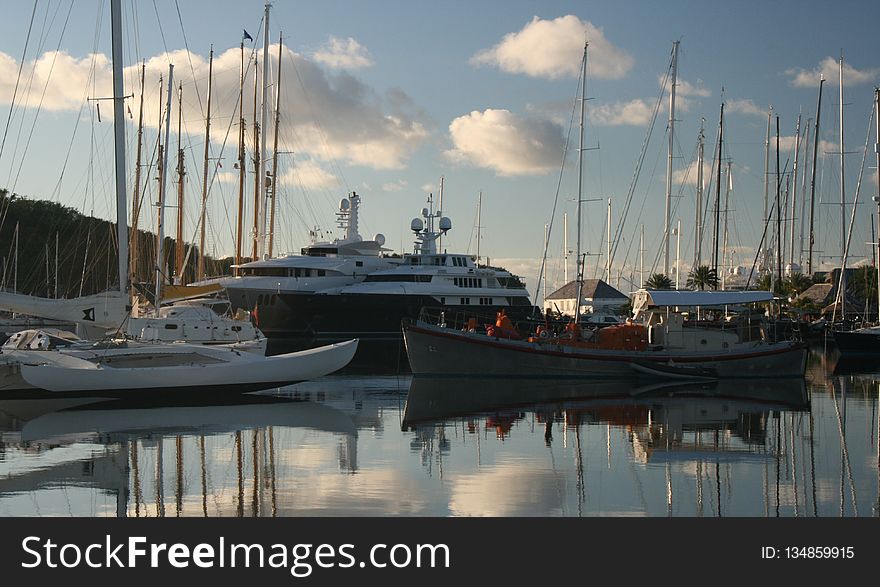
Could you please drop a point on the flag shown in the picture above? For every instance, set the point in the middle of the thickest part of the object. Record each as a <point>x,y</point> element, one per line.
<point>247,36</point>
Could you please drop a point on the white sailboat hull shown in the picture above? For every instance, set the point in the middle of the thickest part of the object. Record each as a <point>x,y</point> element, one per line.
<point>186,367</point>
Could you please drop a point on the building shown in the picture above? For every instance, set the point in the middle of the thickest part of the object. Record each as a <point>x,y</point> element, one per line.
<point>596,297</point>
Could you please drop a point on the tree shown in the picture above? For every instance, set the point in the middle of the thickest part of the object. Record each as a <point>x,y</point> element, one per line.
<point>797,283</point>
<point>658,281</point>
<point>702,277</point>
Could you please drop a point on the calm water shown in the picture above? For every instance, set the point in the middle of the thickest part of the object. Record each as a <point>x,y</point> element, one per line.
<point>379,445</point>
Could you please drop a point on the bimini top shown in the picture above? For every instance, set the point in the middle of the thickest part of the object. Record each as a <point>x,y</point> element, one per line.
<point>646,298</point>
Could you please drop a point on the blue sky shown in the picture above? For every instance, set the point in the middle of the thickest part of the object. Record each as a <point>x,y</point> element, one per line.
<point>387,97</point>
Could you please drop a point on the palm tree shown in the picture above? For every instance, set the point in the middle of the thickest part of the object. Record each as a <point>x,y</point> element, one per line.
<point>658,281</point>
<point>798,282</point>
<point>702,277</point>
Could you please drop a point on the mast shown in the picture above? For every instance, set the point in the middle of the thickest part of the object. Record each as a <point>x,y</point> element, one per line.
<point>274,192</point>
<point>642,257</point>
<point>715,239</point>
<point>877,197</point>
<point>241,170</point>
<point>674,72</point>
<point>726,213</point>
<point>698,221</point>
<point>261,175</point>
<point>677,253</point>
<point>813,178</point>
<point>793,191</point>
<point>565,250</point>
<point>764,254</point>
<point>119,144</point>
<point>778,215</point>
<point>160,224</point>
<point>439,212</point>
<point>608,246</point>
<point>255,233</point>
<point>841,288</point>
<point>200,272</point>
<point>804,193</point>
<point>136,200</point>
<point>580,185</point>
<point>479,227</point>
<point>178,247</point>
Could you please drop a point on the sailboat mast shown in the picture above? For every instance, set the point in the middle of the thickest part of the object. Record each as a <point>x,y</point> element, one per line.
<point>608,246</point>
<point>119,144</point>
<point>274,192</point>
<point>674,68</point>
<point>136,200</point>
<point>565,250</point>
<point>877,197</point>
<point>778,214</point>
<point>178,247</point>
<point>804,193</point>
<point>163,175</point>
<point>580,186</point>
<point>479,224</point>
<point>200,272</point>
<point>842,286</point>
<point>726,213</point>
<point>241,170</point>
<point>793,191</point>
<point>764,254</point>
<point>698,221</point>
<point>813,179</point>
<point>715,235</point>
<point>255,232</point>
<point>261,235</point>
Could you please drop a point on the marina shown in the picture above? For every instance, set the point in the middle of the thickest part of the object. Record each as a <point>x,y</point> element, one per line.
<point>354,445</point>
<point>581,303</point>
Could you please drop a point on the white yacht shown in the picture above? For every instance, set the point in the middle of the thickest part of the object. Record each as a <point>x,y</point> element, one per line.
<point>373,305</point>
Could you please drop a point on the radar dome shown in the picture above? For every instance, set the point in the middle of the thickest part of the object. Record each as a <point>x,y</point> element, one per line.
<point>379,238</point>
<point>445,224</point>
<point>344,204</point>
<point>416,225</point>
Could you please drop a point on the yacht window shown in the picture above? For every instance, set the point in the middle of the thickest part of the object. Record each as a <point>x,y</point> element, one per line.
<point>358,263</point>
<point>465,301</point>
<point>322,272</point>
<point>442,301</point>
<point>171,327</point>
<point>236,329</point>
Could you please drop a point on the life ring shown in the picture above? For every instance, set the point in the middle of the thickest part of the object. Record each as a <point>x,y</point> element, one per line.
<point>543,334</point>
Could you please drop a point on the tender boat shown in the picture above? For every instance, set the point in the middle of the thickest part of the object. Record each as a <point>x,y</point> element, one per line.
<point>58,362</point>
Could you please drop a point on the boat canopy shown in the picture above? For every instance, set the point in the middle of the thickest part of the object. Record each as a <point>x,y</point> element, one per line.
<point>646,298</point>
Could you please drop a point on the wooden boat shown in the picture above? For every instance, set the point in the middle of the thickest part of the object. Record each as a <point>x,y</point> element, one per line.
<point>662,345</point>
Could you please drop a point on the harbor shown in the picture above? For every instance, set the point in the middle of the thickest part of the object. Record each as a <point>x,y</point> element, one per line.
<point>291,272</point>
<point>354,445</point>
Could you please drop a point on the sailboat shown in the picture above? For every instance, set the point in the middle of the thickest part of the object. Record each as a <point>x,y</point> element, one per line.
<point>40,360</point>
<point>660,344</point>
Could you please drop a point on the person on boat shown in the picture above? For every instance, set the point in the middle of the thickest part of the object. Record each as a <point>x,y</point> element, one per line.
<point>504,327</point>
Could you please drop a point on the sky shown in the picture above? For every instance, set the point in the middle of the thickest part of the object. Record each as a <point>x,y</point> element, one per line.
<point>385,98</point>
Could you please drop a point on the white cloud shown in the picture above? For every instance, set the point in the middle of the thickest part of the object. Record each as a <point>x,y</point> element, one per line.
<point>828,67</point>
<point>635,112</point>
<point>343,54</point>
<point>686,88</point>
<point>308,174</point>
<point>505,142</point>
<point>394,186</point>
<point>744,106</point>
<point>553,49</point>
<point>337,117</point>
<point>688,175</point>
<point>430,188</point>
<point>66,79</point>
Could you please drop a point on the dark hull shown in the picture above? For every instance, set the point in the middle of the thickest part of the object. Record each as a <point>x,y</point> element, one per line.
<point>857,344</point>
<point>315,318</point>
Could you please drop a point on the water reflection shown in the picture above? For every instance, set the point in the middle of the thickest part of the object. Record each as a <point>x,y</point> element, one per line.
<point>388,445</point>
